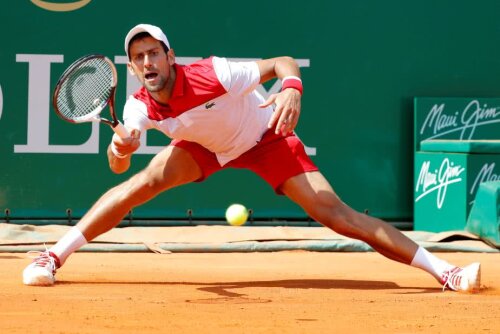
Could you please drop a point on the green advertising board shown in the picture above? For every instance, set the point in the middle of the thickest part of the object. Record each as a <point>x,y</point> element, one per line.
<point>457,148</point>
<point>446,185</point>
<point>362,63</point>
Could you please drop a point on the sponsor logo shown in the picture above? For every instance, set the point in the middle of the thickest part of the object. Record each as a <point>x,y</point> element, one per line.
<point>209,105</point>
<point>38,107</point>
<point>486,174</point>
<point>61,7</point>
<point>437,181</point>
<point>466,122</point>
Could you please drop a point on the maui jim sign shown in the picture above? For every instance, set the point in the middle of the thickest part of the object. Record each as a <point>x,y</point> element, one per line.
<point>457,118</point>
<point>39,95</point>
<point>438,178</point>
<point>435,180</point>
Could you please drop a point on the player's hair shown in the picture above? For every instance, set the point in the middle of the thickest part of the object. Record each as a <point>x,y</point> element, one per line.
<point>142,35</point>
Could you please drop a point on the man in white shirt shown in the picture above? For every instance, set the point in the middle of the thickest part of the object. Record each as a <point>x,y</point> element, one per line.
<point>217,120</point>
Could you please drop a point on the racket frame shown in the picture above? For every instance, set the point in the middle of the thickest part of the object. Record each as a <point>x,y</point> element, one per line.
<point>95,115</point>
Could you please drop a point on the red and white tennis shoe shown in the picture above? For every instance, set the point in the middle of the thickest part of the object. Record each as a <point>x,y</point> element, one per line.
<point>466,279</point>
<point>41,272</point>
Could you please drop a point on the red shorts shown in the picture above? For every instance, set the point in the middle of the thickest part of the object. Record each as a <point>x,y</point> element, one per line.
<point>275,158</point>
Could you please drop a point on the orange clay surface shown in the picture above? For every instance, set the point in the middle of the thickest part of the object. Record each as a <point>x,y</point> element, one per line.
<point>282,292</point>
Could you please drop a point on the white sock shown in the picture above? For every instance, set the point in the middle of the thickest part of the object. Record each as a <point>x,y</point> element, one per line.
<point>430,263</point>
<point>68,244</point>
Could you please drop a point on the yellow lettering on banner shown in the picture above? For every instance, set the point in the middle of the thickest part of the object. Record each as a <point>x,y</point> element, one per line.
<point>61,7</point>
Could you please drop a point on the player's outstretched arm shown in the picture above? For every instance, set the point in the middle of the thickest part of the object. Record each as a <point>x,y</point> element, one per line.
<point>120,151</point>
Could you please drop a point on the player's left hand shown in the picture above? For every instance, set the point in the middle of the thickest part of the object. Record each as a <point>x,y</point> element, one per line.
<point>286,112</point>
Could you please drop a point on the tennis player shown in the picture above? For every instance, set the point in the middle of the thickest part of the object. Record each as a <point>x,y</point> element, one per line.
<point>217,120</point>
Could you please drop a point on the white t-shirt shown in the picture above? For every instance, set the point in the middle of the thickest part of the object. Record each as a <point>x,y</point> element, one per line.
<point>214,103</point>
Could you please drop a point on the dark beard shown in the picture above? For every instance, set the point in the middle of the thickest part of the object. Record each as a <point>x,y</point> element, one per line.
<point>156,88</point>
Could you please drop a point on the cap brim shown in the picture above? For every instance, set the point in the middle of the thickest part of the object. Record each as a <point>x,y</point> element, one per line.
<point>154,31</point>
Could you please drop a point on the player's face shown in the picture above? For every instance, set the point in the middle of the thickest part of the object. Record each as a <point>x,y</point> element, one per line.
<point>150,64</point>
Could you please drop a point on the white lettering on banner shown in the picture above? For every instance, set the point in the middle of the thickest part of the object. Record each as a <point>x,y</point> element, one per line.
<point>425,178</point>
<point>485,174</point>
<point>437,121</point>
<point>472,117</point>
<point>39,106</point>
<point>38,110</point>
<point>448,174</point>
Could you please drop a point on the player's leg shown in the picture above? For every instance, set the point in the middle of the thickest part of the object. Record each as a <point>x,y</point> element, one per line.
<point>315,195</point>
<point>284,164</point>
<point>171,167</point>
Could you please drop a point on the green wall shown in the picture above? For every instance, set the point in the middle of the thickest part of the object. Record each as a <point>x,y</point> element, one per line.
<point>362,63</point>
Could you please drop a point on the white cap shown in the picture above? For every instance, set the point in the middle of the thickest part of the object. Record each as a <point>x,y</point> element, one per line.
<point>154,31</point>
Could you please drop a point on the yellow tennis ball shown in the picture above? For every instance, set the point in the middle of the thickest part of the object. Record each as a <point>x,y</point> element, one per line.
<point>236,214</point>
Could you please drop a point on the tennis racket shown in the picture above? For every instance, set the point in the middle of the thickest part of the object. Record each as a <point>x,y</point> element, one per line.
<point>84,90</point>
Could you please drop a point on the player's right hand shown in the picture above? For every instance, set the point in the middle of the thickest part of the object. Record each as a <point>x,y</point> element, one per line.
<point>127,146</point>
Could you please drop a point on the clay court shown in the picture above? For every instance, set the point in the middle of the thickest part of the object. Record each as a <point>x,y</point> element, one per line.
<point>400,111</point>
<point>263,292</point>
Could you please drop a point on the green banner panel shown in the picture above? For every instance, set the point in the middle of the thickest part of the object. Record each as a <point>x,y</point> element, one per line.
<point>484,216</point>
<point>362,64</point>
<point>446,185</point>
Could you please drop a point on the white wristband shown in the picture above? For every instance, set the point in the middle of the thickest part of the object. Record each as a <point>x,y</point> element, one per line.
<point>290,77</point>
<point>116,153</point>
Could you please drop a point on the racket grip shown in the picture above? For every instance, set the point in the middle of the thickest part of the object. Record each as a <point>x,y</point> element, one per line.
<point>120,130</point>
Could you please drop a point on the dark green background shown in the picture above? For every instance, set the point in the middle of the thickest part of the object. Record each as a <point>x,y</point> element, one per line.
<point>368,59</point>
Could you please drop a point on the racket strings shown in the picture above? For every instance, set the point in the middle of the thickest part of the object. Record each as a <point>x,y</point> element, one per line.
<point>86,89</point>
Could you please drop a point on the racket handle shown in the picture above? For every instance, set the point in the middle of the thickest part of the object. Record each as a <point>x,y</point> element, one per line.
<point>121,131</point>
